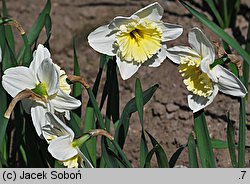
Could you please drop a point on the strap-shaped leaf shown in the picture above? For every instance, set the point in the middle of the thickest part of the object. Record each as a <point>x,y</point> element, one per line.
<point>143,149</point>
<point>139,100</point>
<point>231,141</point>
<point>203,140</point>
<point>123,125</point>
<point>192,154</point>
<point>218,31</point>
<point>176,155</point>
<point>35,30</point>
<point>215,12</point>
<point>160,154</point>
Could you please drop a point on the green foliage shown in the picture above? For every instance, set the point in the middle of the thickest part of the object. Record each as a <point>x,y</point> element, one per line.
<point>203,140</point>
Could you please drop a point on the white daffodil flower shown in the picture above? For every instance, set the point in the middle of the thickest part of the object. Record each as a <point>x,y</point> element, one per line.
<point>62,145</point>
<point>43,78</point>
<point>136,40</point>
<point>202,81</point>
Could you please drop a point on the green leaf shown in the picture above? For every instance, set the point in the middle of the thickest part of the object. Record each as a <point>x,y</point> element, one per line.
<point>4,8</point>
<point>245,64</point>
<point>123,125</point>
<point>58,164</point>
<point>175,156</point>
<point>96,108</point>
<point>233,9</point>
<point>139,106</point>
<point>225,13</point>
<point>8,56</point>
<point>218,31</point>
<point>231,141</point>
<point>219,61</point>
<point>111,90</point>
<point>3,127</point>
<point>27,56</point>
<point>74,123</point>
<point>108,154</point>
<point>192,154</point>
<point>89,119</point>
<point>149,157</point>
<point>219,144</point>
<point>233,68</point>
<point>203,140</point>
<point>77,88</point>
<point>3,108</point>
<point>35,30</point>
<point>48,27</point>
<point>242,133</point>
<point>121,153</point>
<point>8,30</point>
<point>215,12</point>
<point>89,124</point>
<point>143,149</point>
<point>23,154</point>
<point>160,154</point>
<point>139,100</point>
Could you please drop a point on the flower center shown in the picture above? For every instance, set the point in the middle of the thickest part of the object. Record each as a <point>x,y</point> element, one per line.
<point>41,89</point>
<point>64,86</point>
<point>196,81</point>
<point>138,42</point>
<point>72,162</point>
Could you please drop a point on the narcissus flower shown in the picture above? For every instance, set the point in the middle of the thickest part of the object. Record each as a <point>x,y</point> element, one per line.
<point>136,40</point>
<point>201,79</point>
<point>43,78</point>
<point>62,145</point>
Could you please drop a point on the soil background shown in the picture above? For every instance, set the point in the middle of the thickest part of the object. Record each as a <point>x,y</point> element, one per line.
<point>167,116</point>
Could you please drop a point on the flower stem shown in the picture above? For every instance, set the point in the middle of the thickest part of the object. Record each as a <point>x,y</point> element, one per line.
<point>74,78</point>
<point>17,25</point>
<point>26,93</point>
<point>96,132</point>
<point>78,142</point>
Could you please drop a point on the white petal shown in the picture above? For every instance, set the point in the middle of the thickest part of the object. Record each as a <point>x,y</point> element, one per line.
<point>38,56</point>
<point>85,162</point>
<point>201,44</point>
<point>61,148</point>
<point>158,58</point>
<point>205,67</point>
<point>152,12</point>
<point>126,69</point>
<point>38,117</point>
<point>118,21</point>
<point>63,102</point>
<point>49,74</point>
<point>170,31</point>
<point>56,123</point>
<point>197,103</point>
<point>67,115</point>
<point>102,40</point>
<point>228,83</point>
<point>174,53</point>
<point>17,79</point>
